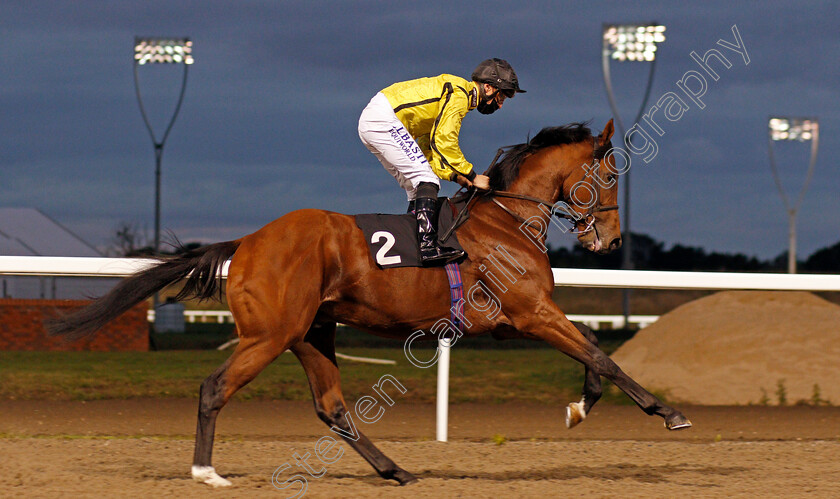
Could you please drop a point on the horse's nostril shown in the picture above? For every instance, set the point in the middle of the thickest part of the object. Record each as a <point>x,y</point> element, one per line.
<point>615,243</point>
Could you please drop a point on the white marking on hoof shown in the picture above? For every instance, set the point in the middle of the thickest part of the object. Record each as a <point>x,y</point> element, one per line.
<point>208,475</point>
<point>575,413</point>
<point>679,426</point>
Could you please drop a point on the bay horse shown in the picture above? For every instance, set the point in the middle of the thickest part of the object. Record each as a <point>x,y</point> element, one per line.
<point>290,282</point>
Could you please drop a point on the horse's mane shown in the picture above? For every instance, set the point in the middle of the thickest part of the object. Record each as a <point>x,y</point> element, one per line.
<point>505,170</point>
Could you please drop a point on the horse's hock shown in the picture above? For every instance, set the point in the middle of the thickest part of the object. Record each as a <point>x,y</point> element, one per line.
<point>741,347</point>
<point>22,328</point>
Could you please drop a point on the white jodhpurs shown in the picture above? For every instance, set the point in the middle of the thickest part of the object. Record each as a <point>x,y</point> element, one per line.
<point>386,137</point>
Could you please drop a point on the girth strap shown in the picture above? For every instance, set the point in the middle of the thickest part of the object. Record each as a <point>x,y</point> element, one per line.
<point>456,294</point>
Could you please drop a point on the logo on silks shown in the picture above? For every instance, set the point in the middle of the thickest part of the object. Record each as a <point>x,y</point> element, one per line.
<point>407,144</point>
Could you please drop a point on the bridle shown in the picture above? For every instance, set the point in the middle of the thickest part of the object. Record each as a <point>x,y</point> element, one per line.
<point>587,214</point>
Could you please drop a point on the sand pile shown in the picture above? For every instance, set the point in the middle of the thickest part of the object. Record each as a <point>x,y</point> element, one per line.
<point>725,348</point>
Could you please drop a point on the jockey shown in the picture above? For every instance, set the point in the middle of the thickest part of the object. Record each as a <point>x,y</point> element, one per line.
<point>412,128</point>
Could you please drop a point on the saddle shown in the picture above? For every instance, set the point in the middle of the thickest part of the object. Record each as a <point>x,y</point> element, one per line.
<point>392,239</point>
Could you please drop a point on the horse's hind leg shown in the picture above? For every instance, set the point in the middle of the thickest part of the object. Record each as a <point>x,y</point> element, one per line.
<point>251,356</point>
<point>317,356</point>
<point>577,411</point>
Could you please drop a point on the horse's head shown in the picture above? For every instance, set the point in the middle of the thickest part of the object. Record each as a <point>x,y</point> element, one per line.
<point>592,192</point>
<point>567,164</point>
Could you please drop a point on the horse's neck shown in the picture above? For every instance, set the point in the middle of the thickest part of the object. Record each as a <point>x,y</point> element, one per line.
<point>544,173</point>
<point>543,176</point>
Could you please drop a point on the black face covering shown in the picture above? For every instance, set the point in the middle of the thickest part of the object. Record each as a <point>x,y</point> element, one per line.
<point>487,108</point>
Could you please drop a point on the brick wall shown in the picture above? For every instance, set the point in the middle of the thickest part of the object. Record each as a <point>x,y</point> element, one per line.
<point>22,328</point>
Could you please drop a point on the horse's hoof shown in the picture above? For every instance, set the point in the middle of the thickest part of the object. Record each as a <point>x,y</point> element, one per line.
<point>412,481</point>
<point>208,475</point>
<point>405,478</point>
<point>575,413</point>
<point>677,422</point>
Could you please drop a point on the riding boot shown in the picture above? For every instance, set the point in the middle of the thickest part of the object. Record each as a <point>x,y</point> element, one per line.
<point>431,252</point>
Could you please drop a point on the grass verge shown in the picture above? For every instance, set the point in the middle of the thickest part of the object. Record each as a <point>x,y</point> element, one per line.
<point>486,376</point>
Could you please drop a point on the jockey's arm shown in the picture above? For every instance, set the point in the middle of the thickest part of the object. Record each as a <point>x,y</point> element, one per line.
<point>447,159</point>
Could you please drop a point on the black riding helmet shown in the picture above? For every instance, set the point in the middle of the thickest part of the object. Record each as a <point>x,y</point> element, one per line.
<point>500,74</point>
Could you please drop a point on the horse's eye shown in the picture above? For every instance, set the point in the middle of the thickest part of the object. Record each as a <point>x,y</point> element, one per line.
<point>610,177</point>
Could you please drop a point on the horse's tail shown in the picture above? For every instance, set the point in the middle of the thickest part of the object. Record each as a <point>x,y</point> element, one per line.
<point>200,268</point>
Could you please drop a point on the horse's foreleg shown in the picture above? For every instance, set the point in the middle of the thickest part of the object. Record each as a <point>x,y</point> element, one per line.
<point>577,411</point>
<point>601,364</point>
<point>249,358</point>
<point>555,329</point>
<point>317,356</point>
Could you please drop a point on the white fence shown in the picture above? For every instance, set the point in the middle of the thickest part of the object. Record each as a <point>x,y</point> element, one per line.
<point>594,321</point>
<point>119,267</point>
<point>191,316</point>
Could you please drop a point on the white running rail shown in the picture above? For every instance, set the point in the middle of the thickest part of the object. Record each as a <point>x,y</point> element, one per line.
<point>594,321</point>
<point>122,267</point>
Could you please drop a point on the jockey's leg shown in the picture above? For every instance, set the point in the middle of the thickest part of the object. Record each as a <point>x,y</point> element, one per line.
<point>425,209</point>
<point>387,138</point>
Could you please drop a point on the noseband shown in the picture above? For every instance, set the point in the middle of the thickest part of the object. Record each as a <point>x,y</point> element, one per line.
<point>587,215</point>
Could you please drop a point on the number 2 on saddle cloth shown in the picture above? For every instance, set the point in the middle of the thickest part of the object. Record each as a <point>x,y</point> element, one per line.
<point>392,241</point>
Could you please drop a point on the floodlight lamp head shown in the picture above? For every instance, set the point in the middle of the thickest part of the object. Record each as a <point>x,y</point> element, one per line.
<point>162,51</point>
<point>632,42</point>
<point>800,129</point>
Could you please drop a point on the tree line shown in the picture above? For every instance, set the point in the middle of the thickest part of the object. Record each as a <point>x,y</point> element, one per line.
<point>650,254</point>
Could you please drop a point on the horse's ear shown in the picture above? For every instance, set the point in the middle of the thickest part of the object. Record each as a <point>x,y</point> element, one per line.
<point>607,134</point>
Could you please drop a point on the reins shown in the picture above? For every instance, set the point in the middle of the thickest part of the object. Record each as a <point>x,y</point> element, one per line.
<point>513,195</point>
<point>551,208</point>
<point>587,215</point>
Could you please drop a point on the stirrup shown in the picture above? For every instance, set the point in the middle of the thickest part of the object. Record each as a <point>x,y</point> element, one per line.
<point>440,256</point>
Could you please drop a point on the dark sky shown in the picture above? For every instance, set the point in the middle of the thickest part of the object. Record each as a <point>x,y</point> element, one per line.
<point>268,123</point>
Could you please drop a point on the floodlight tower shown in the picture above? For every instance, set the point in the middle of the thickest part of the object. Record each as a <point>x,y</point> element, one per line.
<point>633,43</point>
<point>799,129</point>
<point>161,51</point>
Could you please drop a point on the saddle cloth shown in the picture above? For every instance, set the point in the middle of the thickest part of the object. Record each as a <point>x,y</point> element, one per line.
<point>392,239</point>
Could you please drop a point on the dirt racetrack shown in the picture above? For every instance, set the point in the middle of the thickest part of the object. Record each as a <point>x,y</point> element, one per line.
<point>143,448</point>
